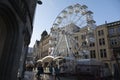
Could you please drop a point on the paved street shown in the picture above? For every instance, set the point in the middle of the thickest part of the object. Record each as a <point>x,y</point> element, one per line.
<point>62,78</point>
<point>49,77</point>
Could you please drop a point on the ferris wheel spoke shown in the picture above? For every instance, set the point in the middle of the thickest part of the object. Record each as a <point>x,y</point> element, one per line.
<point>78,19</point>
<point>74,17</point>
<point>64,23</point>
<point>70,18</point>
<point>82,23</point>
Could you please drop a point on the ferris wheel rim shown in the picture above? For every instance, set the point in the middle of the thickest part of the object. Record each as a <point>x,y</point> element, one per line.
<point>75,9</point>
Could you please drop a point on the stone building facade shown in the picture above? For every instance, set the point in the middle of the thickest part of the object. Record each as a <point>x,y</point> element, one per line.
<point>107,44</point>
<point>44,45</point>
<point>36,51</point>
<point>107,39</point>
<point>16,25</point>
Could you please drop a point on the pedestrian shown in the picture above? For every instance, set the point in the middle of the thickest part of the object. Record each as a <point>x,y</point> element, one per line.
<point>40,71</point>
<point>29,74</point>
<point>54,70</point>
<point>57,72</point>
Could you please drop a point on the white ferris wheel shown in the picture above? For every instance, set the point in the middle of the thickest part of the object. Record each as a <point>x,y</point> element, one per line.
<point>69,21</point>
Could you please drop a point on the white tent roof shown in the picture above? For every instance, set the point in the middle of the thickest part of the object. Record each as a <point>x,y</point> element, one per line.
<point>47,59</point>
<point>40,60</point>
<point>58,57</point>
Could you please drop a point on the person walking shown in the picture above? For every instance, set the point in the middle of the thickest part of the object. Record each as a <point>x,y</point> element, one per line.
<point>57,72</point>
<point>54,70</point>
<point>40,71</point>
<point>28,74</point>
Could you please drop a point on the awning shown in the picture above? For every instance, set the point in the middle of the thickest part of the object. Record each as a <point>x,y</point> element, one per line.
<point>47,59</point>
<point>58,58</point>
<point>40,60</point>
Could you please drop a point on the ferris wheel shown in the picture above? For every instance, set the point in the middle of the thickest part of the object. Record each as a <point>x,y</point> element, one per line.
<point>69,21</point>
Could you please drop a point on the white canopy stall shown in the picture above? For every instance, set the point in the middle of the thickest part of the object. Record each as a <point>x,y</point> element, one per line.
<point>46,59</point>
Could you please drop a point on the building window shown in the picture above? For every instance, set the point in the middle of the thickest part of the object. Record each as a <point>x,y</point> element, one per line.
<point>113,42</point>
<point>83,36</point>
<point>84,43</point>
<point>76,38</point>
<point>106,65</point>
<point>77,44</point>
<point>118,29</point>
<point>100,33</point>
<point>92,54</point>
<point>92,44</point>
<point>103,53</point>
<point>112,31</point>
<point>102,41</point>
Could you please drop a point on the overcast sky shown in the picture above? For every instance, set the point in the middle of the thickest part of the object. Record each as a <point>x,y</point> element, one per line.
<point>104,10</point>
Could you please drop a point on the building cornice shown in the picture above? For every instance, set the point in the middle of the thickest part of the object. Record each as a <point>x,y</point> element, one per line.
<point>115,23</point>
